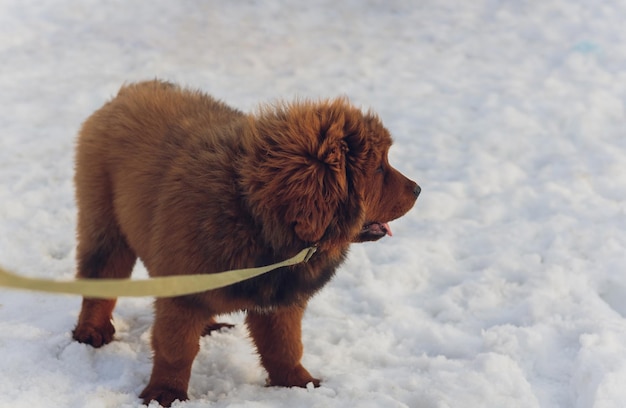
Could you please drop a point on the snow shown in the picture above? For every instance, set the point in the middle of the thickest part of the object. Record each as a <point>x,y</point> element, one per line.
<point>503,287</point>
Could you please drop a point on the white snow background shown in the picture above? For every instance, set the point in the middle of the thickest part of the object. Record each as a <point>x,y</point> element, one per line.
<point>504,286</point>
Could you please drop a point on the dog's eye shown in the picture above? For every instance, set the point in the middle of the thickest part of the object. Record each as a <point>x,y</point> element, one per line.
<point>380,169</point>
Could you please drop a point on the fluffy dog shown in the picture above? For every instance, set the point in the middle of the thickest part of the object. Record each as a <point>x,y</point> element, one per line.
<point>190,185</point>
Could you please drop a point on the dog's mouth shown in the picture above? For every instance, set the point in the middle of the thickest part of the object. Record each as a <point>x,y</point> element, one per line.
<point>373,231</point>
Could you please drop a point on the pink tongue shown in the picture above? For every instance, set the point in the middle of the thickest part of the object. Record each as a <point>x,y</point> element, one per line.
<point>388,228</point>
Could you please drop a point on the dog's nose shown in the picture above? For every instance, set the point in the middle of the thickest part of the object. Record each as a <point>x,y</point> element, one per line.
<point>417,190</point>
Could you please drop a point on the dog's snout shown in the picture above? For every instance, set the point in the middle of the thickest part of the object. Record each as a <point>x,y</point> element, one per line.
<point>417,190</point>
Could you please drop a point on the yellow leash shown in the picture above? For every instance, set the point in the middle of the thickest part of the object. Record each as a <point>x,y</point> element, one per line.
<point>165,286</point>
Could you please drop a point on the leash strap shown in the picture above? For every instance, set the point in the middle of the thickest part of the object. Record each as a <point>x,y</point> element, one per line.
<point>163,286</point>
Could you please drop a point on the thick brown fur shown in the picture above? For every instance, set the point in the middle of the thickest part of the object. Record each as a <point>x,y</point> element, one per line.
<point>190,185</point>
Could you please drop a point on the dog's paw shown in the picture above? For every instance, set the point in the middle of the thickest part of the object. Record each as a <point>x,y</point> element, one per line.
<point>295,377</point>
<point>93,335</point>
<point>215,326</point>
<point>165,396</point>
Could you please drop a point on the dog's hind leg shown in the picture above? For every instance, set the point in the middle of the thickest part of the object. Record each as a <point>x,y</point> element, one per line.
<point>94,325</point>
<point>175,340</point>
<point>102,253</point>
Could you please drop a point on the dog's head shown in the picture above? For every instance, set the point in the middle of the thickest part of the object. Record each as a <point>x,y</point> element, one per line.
<point>319,172</point>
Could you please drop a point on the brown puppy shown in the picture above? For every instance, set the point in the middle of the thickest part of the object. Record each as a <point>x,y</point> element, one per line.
<point>190,185</point>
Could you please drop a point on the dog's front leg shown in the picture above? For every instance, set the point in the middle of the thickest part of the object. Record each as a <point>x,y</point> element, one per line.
<point>175,342</point>
<point>277,336</point>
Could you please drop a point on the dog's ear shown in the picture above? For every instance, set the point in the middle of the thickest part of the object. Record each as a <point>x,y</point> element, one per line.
<point>300,177</point>
<point>321,186</point>
<point>312,207</point>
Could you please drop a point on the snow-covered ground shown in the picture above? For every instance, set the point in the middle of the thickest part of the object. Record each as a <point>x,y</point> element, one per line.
<point>504,287</point>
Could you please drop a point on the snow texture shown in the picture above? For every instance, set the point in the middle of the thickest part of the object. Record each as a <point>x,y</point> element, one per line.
<point>505,285</point>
